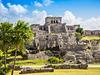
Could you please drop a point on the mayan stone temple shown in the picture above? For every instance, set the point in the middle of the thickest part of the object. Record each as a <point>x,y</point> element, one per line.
<point>54,33</point>
<point>59,40</point>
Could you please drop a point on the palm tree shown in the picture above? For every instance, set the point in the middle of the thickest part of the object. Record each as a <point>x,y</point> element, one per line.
<point>5,32</point>
<point>22,34</point>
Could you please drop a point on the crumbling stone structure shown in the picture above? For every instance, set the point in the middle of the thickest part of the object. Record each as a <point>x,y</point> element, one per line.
<point>60,38</point>
<point>54,33</point>
<point>92,32</point>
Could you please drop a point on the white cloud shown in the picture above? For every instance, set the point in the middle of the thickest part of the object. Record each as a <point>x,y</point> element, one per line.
<point>70,18</point>
<point>17,9</point>
<point>43,3</point>
<point>3,19</point>
<point>47,2</point>
<point>39,16</point>
<point>38,4</point>
<point>12,13</point>
<point>92,23</point>
<point>3,9</point>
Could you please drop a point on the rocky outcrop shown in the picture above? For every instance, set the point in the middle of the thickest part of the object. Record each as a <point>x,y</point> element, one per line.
<point>70,58</point>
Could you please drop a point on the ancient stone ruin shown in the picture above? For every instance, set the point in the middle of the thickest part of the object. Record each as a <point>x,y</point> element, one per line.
<point>59,38</point>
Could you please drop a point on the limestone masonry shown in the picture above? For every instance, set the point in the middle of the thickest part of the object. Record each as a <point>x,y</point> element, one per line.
<point>57,36</point>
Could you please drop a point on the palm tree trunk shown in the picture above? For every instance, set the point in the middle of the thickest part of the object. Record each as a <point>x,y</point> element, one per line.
<point>3,48</point>
<point>14,61</point>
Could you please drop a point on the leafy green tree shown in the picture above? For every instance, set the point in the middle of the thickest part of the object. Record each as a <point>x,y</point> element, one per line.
<point>78,37</point>
<point>5,33</point>
<point>78,34</point>
<point>80,30</point>
<point>22,34</point>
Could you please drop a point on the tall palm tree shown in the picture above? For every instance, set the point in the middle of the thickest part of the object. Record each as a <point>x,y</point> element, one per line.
<point>22,34</point>
<point>5,33</point>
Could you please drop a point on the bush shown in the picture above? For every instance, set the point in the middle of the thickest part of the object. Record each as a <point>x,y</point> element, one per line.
<point>61,60</point>
<point>55,60</point>
<point>2,70</point>
<point>1,54</point>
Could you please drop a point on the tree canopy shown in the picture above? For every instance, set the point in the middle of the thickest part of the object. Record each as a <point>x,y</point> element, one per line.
<point>14,36</point>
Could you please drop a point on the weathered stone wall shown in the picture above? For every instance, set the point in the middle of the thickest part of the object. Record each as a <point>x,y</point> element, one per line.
<point>92,32</point>
<point>53,20</point>
<point>67,66</point>
<point>40,55</point>
<point>58,28</point>
<point>36,70</point>
<point>96,55</point>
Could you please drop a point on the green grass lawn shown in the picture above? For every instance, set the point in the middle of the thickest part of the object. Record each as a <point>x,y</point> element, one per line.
<point>90,38</point>
<point>93,71</point>
<point>90,71</point>
<point>39,63</point>
<point>30,62</point>
<point>16,56</point>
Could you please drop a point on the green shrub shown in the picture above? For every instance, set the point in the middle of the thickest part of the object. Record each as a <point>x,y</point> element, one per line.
<point>2,70</point>
<point>55,60</point>
<point>61,60</point>
<point>1,54</point>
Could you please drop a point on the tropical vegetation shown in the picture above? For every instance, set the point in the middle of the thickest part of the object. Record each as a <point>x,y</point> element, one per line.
<point>13,37</point>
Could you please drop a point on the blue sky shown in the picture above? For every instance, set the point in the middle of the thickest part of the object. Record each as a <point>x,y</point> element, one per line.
<point>84,12</point>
